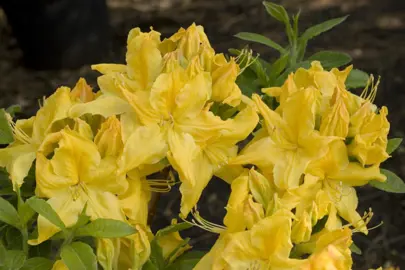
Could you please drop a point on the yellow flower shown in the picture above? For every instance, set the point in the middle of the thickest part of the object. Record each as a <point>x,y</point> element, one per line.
<point>29,134</point>
<point>329,249</point>
<point>129,252</point>
<point>109,138</point>
<point>74,176</point>
<point>267,244</point>
<point>224,87</point>
<point>199,142</point>
<point>369,131</point>
<point>292,141</point>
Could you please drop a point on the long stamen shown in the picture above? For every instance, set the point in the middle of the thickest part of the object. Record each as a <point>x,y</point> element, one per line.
<point>370,91</point>
<point>162,186</point>
<point>205,224</point>
<point>18,133</point>
<point>245,59</point>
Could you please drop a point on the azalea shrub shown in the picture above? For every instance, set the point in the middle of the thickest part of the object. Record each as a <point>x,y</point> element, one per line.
<point>289,136</point>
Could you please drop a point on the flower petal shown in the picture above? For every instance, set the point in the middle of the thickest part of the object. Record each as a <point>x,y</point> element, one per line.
<point>105,105</point>
<point>146,145</point>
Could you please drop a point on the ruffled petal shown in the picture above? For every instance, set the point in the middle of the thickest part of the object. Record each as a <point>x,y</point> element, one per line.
<point>146,145</point>
<point>105,105</point>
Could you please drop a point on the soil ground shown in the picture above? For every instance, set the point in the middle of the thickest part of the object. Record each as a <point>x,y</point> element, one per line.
<point>374,35</point>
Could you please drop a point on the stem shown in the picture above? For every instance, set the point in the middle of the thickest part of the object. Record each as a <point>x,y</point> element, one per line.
<point>68,239</point>
<point>24,233</point>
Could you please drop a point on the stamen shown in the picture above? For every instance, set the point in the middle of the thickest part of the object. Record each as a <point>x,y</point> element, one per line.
<point>18,133</point>
<point>245,59</point>
<point>204,224</point>
<point>162,186</point>
<point>370,91</point>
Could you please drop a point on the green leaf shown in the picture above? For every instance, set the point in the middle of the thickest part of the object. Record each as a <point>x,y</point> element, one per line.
<point>156,255</point>
<point>260,39</point>
<point>278,66</point>
<point>278,12</point>
<point>355,249</point>
<point>42,250</point>
<point>79,256</point>
<point>37,263</point>
<point>173,228</point>
<point>44,209</point>
<point>13,109</point>
<point>6,133</point>
<point>3,253</point>
<point>83,219</point>
<point>106,228</point>
<point>13,238</point>
<point>357,79</point>
<point>248,82</point>
<point>8,214</point>
<point>393,184</point>
<point>393,144</point>
<point>331,59</point>
<point>14,260</point>
<point>25,212</point>
<point>187,261</point>
<point>318,29</point>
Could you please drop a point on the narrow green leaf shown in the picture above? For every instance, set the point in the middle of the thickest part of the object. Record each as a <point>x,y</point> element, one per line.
<point>393,184</point>
<point>278,12</point>
<point>173,228</point>
<point>106,228</point>
<point>83,219</point>
<point>331,59</point>
<point>26,213</point>
<point>393,144</point>
<point>8,214</point>
<point>14,260</point>
<point>44,209</point>
<point>278,66</point>
<point>187,261</point>
<point>248,82</point>
<point>253,37</point>
<point>318,29</point>
<point>357,79</point>
<point>37,263</point>
<point>79,256</point>
<point>355,249</point>
<point>156,255</point>
<point>6,134</point>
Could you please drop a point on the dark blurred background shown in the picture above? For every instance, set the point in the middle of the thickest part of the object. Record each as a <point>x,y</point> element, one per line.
<point>51,43</point>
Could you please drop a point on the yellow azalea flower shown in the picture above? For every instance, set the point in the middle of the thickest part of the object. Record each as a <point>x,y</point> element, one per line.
<point>266,245</point>
<point>29,134</point>
<point>250,199</point>
<point>224,87</point>
<point>329,249</point>
<point>189,42</point>
<point>59,265</point>
<point>73,177</point>
<point>109,138</point>
<point>199,143</point>
<point>369,131</point>
<point>172,245</point>
<point>130,252</point>
<point>292,141</point>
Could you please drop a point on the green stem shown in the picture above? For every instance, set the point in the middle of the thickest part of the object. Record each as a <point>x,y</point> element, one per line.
<point>68,239</point>
<point>24,233</point>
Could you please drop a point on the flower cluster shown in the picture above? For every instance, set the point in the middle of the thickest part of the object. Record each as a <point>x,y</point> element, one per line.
<point>319,143</point>
<point>102,155</point>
